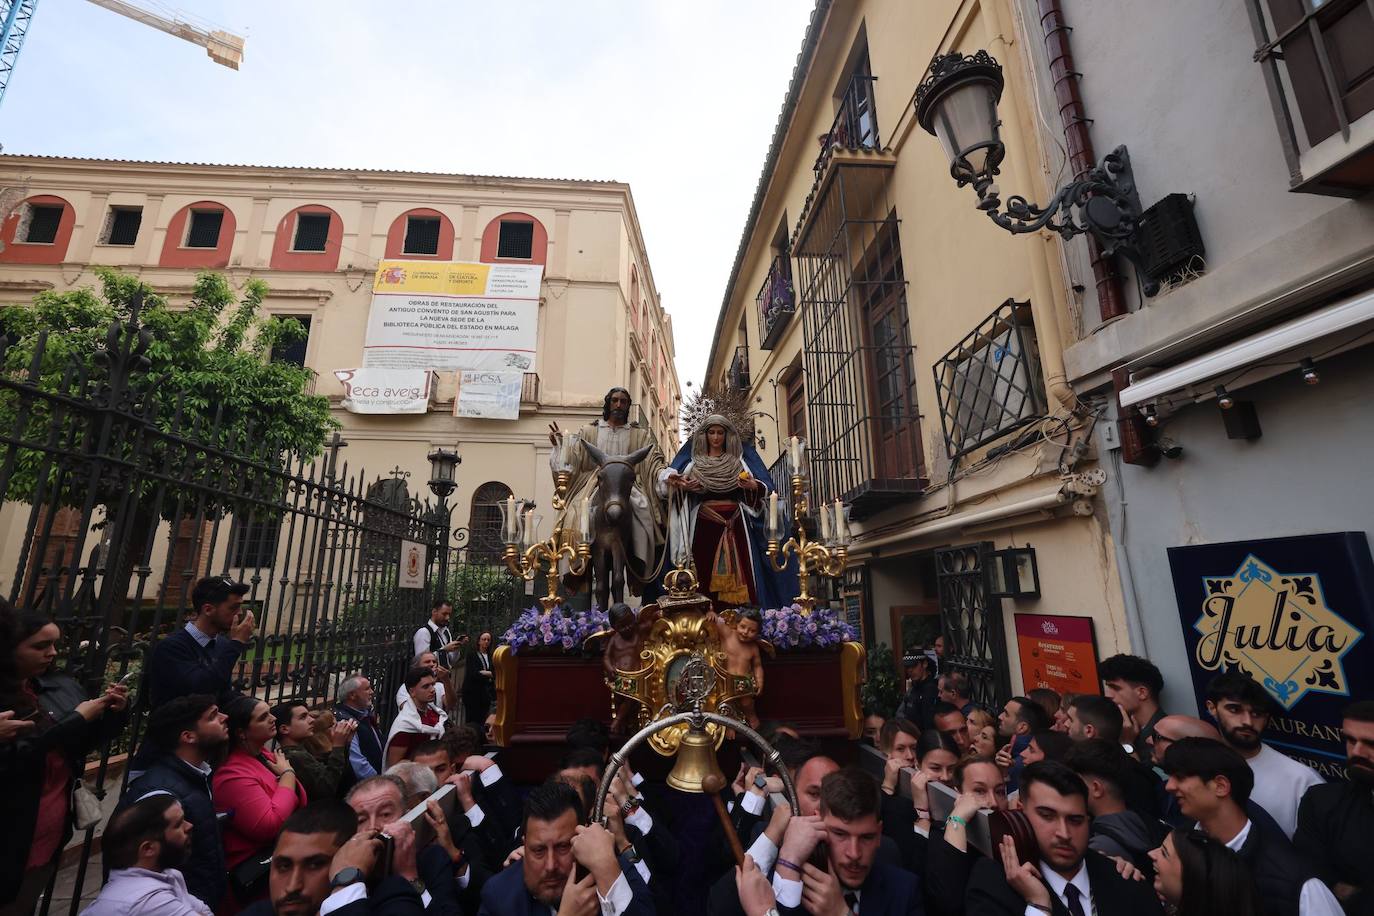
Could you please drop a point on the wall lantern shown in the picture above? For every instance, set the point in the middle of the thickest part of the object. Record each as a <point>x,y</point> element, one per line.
<point>1013,573</point>
<point>957,103</point>
<point>443,472</point>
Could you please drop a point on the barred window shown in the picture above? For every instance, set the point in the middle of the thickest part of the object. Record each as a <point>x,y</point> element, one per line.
<point>312,232</point>
<point>43,222</point>
<point>484,522</point>
<point>124,225</point>
<point>203,231</point>
<point>422,235</point>
<point>254,543</point>
<point>516,240</point>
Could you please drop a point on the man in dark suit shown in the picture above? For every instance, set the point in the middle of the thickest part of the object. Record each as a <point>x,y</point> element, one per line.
<point>545,882</point>
<point>320,854</point>
<point>1069,880</point>
<point>479,683</point>
<point>200,657</point>
<point>850,824</point>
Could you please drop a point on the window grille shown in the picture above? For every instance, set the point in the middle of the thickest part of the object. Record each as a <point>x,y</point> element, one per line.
<point>422,235</point>
<point>204,229</point>
<point>484,522</point>
<point>990,383</point>
<point>516,240</point>
<point>312,232</point>
<point>124,225</point>
<point>43,222</point>
<point>254,543</point>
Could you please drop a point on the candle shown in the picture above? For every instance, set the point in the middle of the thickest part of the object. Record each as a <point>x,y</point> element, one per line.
<point>587,519</point>
<point>773,515</point>
<point>793,458</point>
<point>825,523</point>
<point>529,527</point>
<point>841,524</point>
<point>512,534</point>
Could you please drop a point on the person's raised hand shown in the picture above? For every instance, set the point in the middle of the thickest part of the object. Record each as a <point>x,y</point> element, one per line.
<point>594,848</point>
<point>516,855</point>
<point>402,849</point>
<point>117,697</point>
<point>821,892</point>
<point>1024,877</point>
<point>615,821</point>
<point>892,771</point>
<point>755,892</point>
<point>477,763</point>
<point>1129,730</point>
<point>1004,758</point>
<point>966,805</point>
<point>462,784</point>
<point>1126,868</point>
<point>442,835</point>
<point>777,824</point>
<point>742,779</point>
<point>11,728</point>
<point>579,897</point>
<point>801,837</point>
<point>342,732</point>
<point>90,710</point>
<point>920,795</point>
<point>278,763</point>
<point>242,630</point>
<point>361,851</point>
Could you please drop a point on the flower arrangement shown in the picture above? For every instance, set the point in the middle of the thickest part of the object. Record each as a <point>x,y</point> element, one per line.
<point>788,628</point>
<point>534,629</point>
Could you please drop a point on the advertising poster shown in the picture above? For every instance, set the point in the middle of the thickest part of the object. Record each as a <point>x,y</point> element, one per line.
<point>1057,652</point>
<point>488,395</point>
<point>453,315</point>
<point>1292,613</point>
<point>412,571</point>
<point>386,390</point>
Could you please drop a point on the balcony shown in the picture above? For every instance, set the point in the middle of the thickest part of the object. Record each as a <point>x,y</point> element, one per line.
<point>855,126</point>
<point>737,376</point>
<point>777,302</point>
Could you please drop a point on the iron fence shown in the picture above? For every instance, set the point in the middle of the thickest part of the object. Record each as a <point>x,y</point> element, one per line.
<point>126,496</point>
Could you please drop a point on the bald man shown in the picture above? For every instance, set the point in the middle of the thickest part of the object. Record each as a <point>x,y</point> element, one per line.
<point>1171,728</point>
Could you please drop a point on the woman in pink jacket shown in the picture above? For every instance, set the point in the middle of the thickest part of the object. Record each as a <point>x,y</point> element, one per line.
<point>257,790</point>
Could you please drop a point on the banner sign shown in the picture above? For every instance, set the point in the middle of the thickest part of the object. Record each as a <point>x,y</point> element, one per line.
<point>458,315</point>
<point>1291,613</point>
<point>386,390</point>
<point>412,570</point>
<point>1057,652</point>
<point>488,395</point>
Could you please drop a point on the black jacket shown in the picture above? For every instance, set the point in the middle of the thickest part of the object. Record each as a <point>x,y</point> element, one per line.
<point>1336,835</point>
<point>505,894</point>
<point>478,691</point>
<point>391,897</point>
<point>889,891</point>
<point>1278,870</point>
<point>179,667</point>
<point>23,764</point>
<point>204,869</point>
<point>989,894</point>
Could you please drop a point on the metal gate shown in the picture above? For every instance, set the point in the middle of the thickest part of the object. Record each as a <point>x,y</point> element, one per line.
<point>972,622</point>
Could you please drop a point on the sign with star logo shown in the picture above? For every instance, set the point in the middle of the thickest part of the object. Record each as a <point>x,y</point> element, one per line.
<point>1292,614</point>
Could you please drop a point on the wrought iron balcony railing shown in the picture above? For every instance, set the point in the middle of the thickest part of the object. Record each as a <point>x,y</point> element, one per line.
<point>856,123</point>
<point>738,375</point>
<point>777,301</point>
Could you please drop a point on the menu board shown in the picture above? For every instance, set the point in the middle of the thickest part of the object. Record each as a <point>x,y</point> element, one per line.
<point>1057,652</point>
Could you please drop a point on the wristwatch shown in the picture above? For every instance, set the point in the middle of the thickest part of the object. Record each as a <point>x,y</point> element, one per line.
<point>760,781</point>
<point>345,877</point>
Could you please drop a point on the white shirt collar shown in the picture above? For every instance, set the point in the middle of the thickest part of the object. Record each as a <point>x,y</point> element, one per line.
<point>1236,842</point>
<point>198,634</point>
<point>1058,882</point>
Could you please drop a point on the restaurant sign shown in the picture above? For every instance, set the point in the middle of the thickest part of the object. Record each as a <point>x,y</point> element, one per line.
<point>1291,613</point>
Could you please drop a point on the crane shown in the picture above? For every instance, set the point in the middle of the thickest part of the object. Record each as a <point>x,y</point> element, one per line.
<point>17,15</point>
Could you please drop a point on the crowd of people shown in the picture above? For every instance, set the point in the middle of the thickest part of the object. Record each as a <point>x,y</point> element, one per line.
<point>1065,805</point>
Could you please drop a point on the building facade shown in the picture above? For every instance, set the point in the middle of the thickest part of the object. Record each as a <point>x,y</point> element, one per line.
<point>316,237</point>
<point>875,312</point>
<point>1250,367</point>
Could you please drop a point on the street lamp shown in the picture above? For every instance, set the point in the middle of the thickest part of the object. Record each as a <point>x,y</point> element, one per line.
<point>443,472</point>
<point>957,103</point>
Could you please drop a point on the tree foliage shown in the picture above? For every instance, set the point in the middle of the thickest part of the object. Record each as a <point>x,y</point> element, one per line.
<point>882,691</point>
<point>202,376</point>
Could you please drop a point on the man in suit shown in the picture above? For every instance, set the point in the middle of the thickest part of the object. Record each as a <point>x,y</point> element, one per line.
<point>200,657</point>
<point>321,854</point>
<point>544,882</point>
<point>1068,881</point>
<point>850,824</point>
<point>1336,819</point>
<point>479,682</point>
<point>1212,783</point>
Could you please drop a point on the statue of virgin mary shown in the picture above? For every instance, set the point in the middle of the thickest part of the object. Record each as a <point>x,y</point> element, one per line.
<point>716,520</point>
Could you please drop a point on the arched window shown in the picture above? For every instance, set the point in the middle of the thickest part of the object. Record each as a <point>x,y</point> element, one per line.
<point>420,233</point>
<point>308,238</point>
<point>484,522</point>
<point>515,238</point>
<point>199,235</point>
<point>37,232</point>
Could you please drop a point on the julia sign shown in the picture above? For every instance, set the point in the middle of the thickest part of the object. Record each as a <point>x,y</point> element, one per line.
<point>1291,613</point>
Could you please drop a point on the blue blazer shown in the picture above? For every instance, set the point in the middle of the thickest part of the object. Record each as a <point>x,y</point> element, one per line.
<point>505,894</point>
<point>889,891</point>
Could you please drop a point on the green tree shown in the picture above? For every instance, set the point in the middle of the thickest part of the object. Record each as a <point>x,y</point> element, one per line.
<point>202,376</point>
<point>882,691</point>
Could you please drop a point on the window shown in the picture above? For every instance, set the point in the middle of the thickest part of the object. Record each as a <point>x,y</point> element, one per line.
<point>254,543</point>
<point>312,232</point>
<point>122,226</point>
<point>43,222</point>
<point>516,240</point>
<point>203,228</point>
<point>484,523</point>
<point>796,405</point>
<point>1328,50</point>
<point>422,235</point>
<point>293,351</point>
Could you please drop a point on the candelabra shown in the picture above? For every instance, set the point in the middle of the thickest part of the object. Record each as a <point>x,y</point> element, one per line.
<point>525,554</point>
<point>830,554</point>
<point>568,447</point>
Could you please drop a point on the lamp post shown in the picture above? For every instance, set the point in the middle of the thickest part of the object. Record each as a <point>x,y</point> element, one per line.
<point>443,480</point>
<point>957,103</point>
<point>830,554</point>
<point>524,553</point>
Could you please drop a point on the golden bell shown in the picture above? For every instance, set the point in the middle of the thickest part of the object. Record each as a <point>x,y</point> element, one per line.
<point>696,760</point>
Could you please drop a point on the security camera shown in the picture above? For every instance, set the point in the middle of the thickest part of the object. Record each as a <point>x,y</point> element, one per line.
<point>1169,449</point>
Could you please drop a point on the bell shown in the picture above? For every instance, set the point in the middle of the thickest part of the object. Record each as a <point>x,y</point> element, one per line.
<point>696,760</point>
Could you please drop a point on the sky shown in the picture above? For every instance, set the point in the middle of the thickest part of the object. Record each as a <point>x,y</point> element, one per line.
<point>679,99</point>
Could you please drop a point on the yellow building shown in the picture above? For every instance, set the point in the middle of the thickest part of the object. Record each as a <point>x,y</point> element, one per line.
<point>316,237</point>
<point>917,347</point>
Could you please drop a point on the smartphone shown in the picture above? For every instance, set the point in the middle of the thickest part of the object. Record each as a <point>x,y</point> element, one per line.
<point>384,860</point>
<point>128,676</point>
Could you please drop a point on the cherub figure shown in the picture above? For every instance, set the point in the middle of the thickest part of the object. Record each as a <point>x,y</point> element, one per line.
<point>743,660</point>
<point>627,639</point>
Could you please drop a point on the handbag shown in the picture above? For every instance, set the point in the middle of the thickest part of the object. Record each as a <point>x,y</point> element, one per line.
<point>86,811</point>
<point>249,878</point>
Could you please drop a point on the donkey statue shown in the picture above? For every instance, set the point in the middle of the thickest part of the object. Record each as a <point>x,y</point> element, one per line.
<point>612,525</point>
